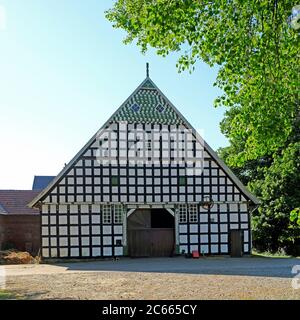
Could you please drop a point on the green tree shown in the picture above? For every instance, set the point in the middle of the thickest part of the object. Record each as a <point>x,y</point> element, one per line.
<point>275,179</point>
<point>295,216</point>
<point>251,41</point>
<point>258,55</point>
<point>276,182</point>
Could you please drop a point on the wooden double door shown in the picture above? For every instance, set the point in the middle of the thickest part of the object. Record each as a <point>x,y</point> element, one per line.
<point>151,233</point>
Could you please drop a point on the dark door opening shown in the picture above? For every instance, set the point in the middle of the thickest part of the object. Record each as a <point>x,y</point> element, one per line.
<point>151,233</point>
<point>161,218</point>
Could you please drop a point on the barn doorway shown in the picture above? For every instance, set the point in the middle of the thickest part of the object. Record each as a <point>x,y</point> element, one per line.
<point>151,233</point>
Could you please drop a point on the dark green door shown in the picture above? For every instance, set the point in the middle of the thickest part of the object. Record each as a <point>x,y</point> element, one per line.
<point>236,249</point>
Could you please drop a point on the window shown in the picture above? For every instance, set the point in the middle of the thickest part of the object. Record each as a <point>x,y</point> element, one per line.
<point>182,213</point>
<point>193,213</point>
<point>135,107</point>
<point>106,213</point>
<point>118,213</point>
<point>114,181</point>
<point>182,181</point>
<point>160,108</point>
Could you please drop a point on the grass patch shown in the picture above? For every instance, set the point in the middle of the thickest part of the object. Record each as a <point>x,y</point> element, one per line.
<point>268,254</point>
<point>5,295</point>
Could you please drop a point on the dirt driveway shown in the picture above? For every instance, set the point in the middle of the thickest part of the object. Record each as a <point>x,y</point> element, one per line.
<point>167,278</point>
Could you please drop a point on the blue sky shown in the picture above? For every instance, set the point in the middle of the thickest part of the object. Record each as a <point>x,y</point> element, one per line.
<point>64,70</point>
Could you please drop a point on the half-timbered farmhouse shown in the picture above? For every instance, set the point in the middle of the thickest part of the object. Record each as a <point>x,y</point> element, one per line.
<point>146,184</point>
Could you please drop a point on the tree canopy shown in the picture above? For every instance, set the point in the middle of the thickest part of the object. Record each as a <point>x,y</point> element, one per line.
<point>252,42</point>
<point>275,180</point>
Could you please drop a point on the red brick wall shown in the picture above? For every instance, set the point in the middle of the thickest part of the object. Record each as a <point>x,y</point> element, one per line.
<point>21,230</point>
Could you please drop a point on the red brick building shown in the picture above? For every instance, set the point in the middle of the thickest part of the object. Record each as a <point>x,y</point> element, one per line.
<point>19,224</point>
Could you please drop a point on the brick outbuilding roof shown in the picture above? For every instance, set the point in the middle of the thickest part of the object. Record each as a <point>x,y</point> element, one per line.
<point>16,201</point>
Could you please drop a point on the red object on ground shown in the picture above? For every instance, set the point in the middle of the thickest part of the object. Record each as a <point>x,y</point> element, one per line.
<point>195,254</point>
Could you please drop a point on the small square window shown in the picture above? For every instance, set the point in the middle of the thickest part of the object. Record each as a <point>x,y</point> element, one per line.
<point>160,108</point>
<point>114,181</point>
<point>106,214</point>
<point>135,107</point>
<point>118,213</point>
<point>182,181</point>
<point>193,212</point>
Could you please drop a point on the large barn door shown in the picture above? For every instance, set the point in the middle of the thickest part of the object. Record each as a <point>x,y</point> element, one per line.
<point>162,242</point>
<point>139,225</point>
<point>139,243</point>
<point>150,233</point>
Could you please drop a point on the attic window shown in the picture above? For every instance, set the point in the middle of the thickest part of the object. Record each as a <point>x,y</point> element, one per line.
<point>160,108</point>
<point>135,107</point>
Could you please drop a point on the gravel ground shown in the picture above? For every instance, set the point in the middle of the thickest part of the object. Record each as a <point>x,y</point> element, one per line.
<point>210,278</point>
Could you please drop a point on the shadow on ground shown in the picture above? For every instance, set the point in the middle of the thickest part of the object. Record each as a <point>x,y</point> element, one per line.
<point>247,266</point>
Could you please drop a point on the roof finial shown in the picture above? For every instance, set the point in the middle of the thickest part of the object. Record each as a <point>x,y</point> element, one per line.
<point>147,69</point>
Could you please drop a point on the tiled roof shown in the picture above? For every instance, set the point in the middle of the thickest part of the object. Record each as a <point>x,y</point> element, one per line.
<point>147,105</point>
<point>41,182</point>
<point>15,202</point>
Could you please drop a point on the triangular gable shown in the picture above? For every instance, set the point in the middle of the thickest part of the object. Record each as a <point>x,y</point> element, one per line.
<point>148,99</point>
<point>148,96</point>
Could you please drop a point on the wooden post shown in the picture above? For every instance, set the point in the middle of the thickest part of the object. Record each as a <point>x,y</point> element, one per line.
<point>124,240</point>
<point>176,230</point>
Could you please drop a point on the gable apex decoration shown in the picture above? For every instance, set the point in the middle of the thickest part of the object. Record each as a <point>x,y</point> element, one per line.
<point>148,96</point>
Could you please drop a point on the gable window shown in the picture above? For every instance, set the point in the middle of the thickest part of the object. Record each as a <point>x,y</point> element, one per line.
<point>182,213</point>
<point>114,181</point>
<point>106,214</point>
<point>182,181</point>
<point>160,108</point>
<point>193,213</point>
<point>135,107</point>
<point>118,213</point>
